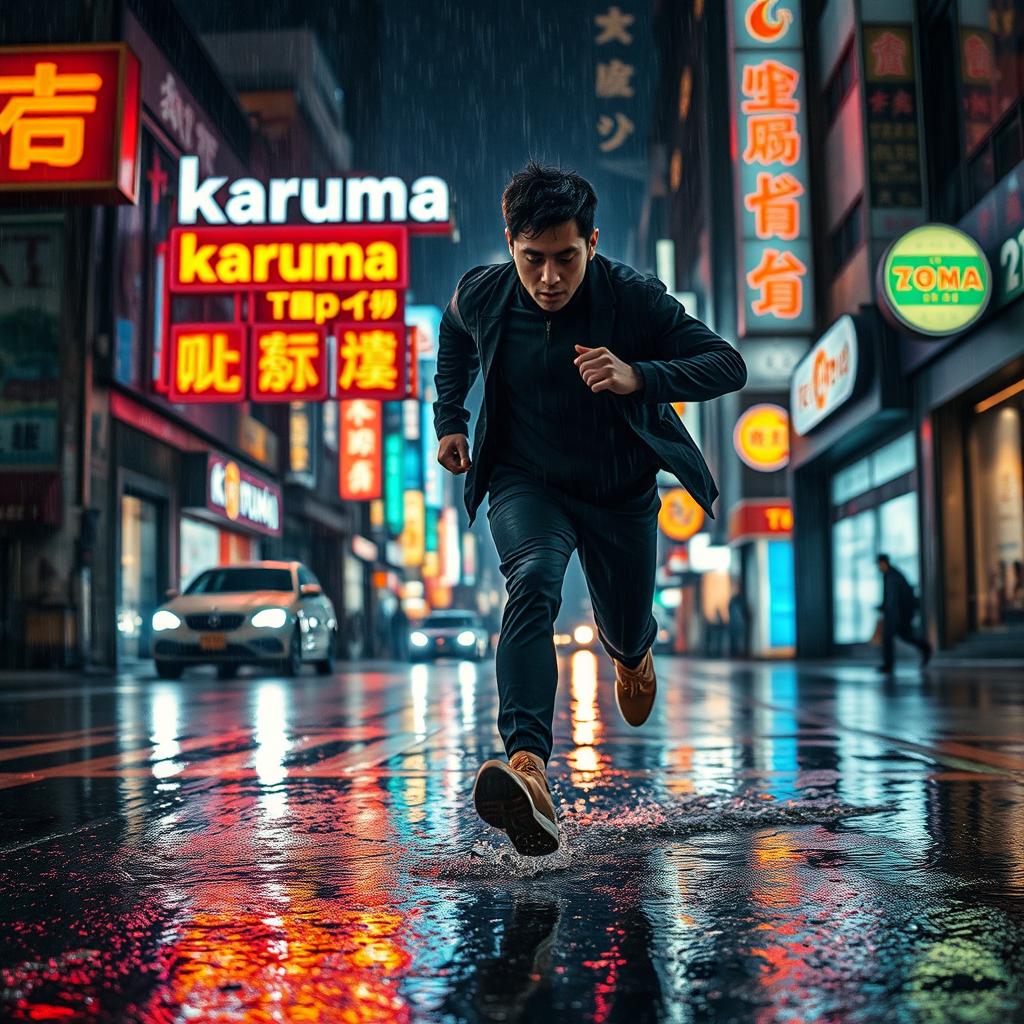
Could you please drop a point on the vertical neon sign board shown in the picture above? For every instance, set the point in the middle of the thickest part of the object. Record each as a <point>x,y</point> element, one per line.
<point>772,177</point>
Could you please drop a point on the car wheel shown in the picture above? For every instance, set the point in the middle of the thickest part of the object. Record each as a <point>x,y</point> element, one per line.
<point>228,671</point>
<point>292,665</point>
<point>169,669</point>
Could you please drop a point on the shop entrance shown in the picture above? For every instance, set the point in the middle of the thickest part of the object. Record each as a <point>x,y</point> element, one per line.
<point>874,510</point>
<point>139,576</point>
<point>996,444</point>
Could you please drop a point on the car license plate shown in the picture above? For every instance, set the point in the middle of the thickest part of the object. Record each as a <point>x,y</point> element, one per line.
<point>213,642</point>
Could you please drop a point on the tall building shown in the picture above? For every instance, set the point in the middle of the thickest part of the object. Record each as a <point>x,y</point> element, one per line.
<point>831,131</point>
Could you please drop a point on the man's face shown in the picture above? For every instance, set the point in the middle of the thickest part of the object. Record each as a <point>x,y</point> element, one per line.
<point>552,264</point>
<point>883,565</point>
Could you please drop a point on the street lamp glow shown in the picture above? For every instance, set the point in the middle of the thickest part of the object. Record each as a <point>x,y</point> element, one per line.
<point>583,635</point>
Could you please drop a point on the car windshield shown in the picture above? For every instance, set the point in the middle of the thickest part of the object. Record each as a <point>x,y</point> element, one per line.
<point>237,581</point>
<point>449,621</point>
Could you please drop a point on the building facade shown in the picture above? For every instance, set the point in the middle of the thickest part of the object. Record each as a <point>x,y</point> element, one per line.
<point>111,494</point>
<point>883,117</point>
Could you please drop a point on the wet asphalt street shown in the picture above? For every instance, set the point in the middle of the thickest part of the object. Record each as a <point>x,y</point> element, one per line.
<point>775,845</point>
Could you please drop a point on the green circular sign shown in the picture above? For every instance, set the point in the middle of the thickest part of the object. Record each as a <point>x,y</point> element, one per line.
<point>934,280</point>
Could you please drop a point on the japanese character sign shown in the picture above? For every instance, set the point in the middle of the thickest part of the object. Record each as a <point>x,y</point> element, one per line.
<point>372,361</point>
<point>772,200</point>
<point>359,468</point>
<point>304,305</point>
<point>614,84</point>
<point>289,362</point>
<point>208,363</point>
<point>69,120</point>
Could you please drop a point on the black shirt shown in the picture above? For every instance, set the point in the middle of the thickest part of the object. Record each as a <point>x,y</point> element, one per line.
<point>552,426</point>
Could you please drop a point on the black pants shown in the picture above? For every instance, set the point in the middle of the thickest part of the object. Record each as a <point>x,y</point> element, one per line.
<point>536,529</point>
<point>893,628</point>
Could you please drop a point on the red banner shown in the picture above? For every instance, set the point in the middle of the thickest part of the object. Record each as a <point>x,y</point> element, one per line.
<point>359,468</point>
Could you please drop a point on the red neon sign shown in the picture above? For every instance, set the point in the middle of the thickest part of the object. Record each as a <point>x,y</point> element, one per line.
<point>372,360</point>
<point>208,363</point>
<point>266,259</point>
<point>69,120</point>
<point>320,307</point>
<point>359,465</point>
<point>288,363</point>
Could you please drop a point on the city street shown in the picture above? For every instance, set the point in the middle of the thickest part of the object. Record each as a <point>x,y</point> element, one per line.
<point>777,844</point>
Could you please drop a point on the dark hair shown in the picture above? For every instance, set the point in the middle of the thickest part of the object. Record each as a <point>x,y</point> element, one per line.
<point>538,198</point>
<point>880,557</point>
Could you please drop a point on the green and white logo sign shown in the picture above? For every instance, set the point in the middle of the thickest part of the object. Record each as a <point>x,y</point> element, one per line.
<point>934,280</point>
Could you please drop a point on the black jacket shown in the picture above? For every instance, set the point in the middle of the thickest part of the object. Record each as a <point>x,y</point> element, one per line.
<point>679,359</point>
<point>898,600</point>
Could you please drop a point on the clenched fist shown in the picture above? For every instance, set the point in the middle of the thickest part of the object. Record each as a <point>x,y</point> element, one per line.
<point>602,370</point>
<point>453,453</point>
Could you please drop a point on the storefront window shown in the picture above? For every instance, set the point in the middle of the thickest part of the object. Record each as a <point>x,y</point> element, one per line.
<point>998,513</point>
<point>856,586</point>
<point>884,519</point>
<point>139,595</point>
<point>200,549</point>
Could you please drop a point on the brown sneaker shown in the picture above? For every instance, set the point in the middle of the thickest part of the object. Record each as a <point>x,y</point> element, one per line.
<point>515,798</point>
<point>635,689</point>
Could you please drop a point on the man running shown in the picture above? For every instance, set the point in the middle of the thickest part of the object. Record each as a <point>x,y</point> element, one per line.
<point>581,357</point>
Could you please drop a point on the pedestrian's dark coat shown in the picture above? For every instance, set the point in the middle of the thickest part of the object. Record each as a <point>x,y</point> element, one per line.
<point>898,600</point>
<point>679,359</point>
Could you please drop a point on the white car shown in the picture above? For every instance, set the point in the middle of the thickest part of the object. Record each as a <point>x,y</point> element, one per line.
<point>449,633</point>
<point>272,613</point>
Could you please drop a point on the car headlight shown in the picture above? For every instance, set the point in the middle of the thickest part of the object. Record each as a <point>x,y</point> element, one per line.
<point>270,618</point>
<point>163,619</point>
<point>466,638</point>
<point>583,635</point>
<point>419,639</point>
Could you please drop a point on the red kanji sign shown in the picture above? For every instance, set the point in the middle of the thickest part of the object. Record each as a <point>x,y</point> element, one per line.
<point>372,360</point>
<point>289,363</point>
<point>208,363</point>
<point>69,120</point>
<point>359,466</point>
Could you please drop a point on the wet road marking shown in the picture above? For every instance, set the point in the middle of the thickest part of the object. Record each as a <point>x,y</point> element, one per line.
<point>948,752</point>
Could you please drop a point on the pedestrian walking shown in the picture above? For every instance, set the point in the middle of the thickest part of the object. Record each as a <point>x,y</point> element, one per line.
<point>897,608</point>
<point>739,630</point>
<point>580,357</point>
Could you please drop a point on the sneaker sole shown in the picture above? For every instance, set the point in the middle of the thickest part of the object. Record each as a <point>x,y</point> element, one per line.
<point>504,803</point>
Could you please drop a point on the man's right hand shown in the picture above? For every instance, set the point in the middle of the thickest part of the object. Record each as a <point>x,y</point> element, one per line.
<point>453,453</point>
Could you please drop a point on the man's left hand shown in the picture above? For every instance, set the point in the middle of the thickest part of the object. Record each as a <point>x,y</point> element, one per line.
<point>602,370</point>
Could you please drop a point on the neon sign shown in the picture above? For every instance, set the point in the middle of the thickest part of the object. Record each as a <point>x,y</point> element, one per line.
<point>424,205</point>
<point>772,200</point>
<point>289,363</point>
<point>209,363</point>
<point>359,466</point>
<point>825,377</point>
<point>69,120</point>
<point>271,259</point>
<point>761,437</point>
<point>934,280</point>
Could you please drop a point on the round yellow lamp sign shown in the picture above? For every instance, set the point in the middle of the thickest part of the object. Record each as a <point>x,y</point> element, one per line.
<point>761,437</point>
<point>934,281</point>
<point>680,516</point>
